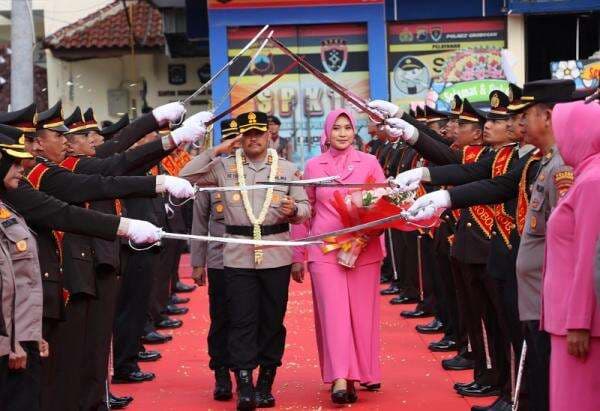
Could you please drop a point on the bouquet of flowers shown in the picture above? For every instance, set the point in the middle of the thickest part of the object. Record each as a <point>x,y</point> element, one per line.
<point>364,206</point>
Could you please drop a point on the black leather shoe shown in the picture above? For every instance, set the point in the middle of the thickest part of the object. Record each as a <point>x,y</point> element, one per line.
<point>125,398</point>
<point>501,404</point>
<point>155,337</point>
<point>183,288</point>
<point>168,323</point>
<point>223,385</point>
<point>264,384</point>
<point>392,289</point>
<point>443,346</point>
<point>118,403</point>
<point>174,310</point>
<point>339,397</point>
<point>371,387</point>
<point>175,299</point>
<point>415,314</point>
<point>149,356</point>
<point>458,363</point>
<point>460,385</point>
<point>478,390</point>
<point>133,377</point>
<point>245,390</point>
<point>351,396</point>
<point>403,299</point>
<point>434,327</point>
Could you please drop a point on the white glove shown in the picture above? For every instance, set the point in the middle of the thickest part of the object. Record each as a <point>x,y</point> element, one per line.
<point>399,128</point>
<point>384,107</point>
<point>142,232</point>
<point>434,200</point>
<point>424,213</point>
<point>189,133</point>
<point>178,187</point>
<point>168,112</point>
<point>199,119</point>
<point>409,180</point>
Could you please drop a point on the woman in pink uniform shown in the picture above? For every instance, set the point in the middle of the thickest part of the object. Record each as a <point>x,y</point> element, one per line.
<point>346,302</point>
<point>570,310</point>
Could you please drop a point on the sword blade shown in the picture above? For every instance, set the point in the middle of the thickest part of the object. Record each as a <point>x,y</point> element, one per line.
<point>360,227</point>
<point>245,70</point>
<point>226,66</point>
<point>354,99</point>
<point>245,241</point>
<point>254,94</point>
<point>323,184</point>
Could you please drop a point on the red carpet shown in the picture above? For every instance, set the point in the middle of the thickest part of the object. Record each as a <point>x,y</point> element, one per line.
<point>413,378</point>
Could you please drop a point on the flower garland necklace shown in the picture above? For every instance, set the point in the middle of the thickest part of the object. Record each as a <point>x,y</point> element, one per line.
<point>256,221</point>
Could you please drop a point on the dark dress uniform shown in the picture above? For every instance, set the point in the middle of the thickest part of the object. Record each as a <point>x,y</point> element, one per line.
<point>470,248</point>
<point>545,193</point>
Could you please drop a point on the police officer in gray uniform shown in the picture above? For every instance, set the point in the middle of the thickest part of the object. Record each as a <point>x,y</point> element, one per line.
<point>207,258</point>
<point>257,279</point>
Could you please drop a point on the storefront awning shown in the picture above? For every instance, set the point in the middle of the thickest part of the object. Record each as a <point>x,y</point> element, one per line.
<point>552,6</point>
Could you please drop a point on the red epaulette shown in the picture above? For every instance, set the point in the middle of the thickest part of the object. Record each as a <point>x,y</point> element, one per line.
<point>70,163</point>
<point>472,153</point>
<point>35,175</point>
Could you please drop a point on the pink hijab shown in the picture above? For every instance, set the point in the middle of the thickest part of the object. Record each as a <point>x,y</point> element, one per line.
<point>330,121</point>
<point>577,132</point>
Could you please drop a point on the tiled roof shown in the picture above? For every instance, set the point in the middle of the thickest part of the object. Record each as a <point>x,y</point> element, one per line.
<point>108,28</point>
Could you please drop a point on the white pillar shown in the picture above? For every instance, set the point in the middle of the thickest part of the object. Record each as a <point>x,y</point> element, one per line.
<point>515,28</point>
<point>21,44</point>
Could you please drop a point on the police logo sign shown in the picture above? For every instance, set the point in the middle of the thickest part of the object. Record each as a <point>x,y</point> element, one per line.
<point>334,55</point>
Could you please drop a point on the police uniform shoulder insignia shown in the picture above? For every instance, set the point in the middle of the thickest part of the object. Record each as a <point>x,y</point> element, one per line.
<point>4,213</point>
<point>563,180</point>
<point>35,175</point>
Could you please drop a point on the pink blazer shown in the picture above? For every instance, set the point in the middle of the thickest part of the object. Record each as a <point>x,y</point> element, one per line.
<point>568,298</point>
<point>325,218</point>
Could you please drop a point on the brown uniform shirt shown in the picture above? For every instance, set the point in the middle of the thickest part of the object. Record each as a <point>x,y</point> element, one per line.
<point>209,218</point>
<point>22,246</point>
<point>545,194</point>
<point>7,298</point>
<point>206,169</point>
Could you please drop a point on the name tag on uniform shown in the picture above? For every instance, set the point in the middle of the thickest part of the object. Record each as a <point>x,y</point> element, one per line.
<point>9,223</point>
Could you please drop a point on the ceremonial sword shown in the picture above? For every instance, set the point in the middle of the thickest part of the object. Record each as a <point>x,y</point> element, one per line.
<point>344,92</point>
<point>245,70</point>
<point>311,240</point>
<point>226,66</point>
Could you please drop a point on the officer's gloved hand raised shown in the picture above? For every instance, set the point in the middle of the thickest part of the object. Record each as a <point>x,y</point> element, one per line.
<point>385,108</point>
<point>177,187</point>
<point>170,112</point>
<point>428,205</point>
<point>193,129</point>
<point>409,180</point>
<point>199,119</point>
<point>141,232</point>
<point>399,128</point>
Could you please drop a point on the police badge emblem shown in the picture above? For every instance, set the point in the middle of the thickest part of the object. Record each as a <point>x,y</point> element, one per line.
<point>436,33</point>
<point>334,55</point>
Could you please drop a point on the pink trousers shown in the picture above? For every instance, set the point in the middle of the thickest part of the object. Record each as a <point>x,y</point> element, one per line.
<point>574,383</point>
<point>346,306</point>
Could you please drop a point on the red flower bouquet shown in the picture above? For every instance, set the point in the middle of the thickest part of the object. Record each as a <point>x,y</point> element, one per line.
<point>364,206</point>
